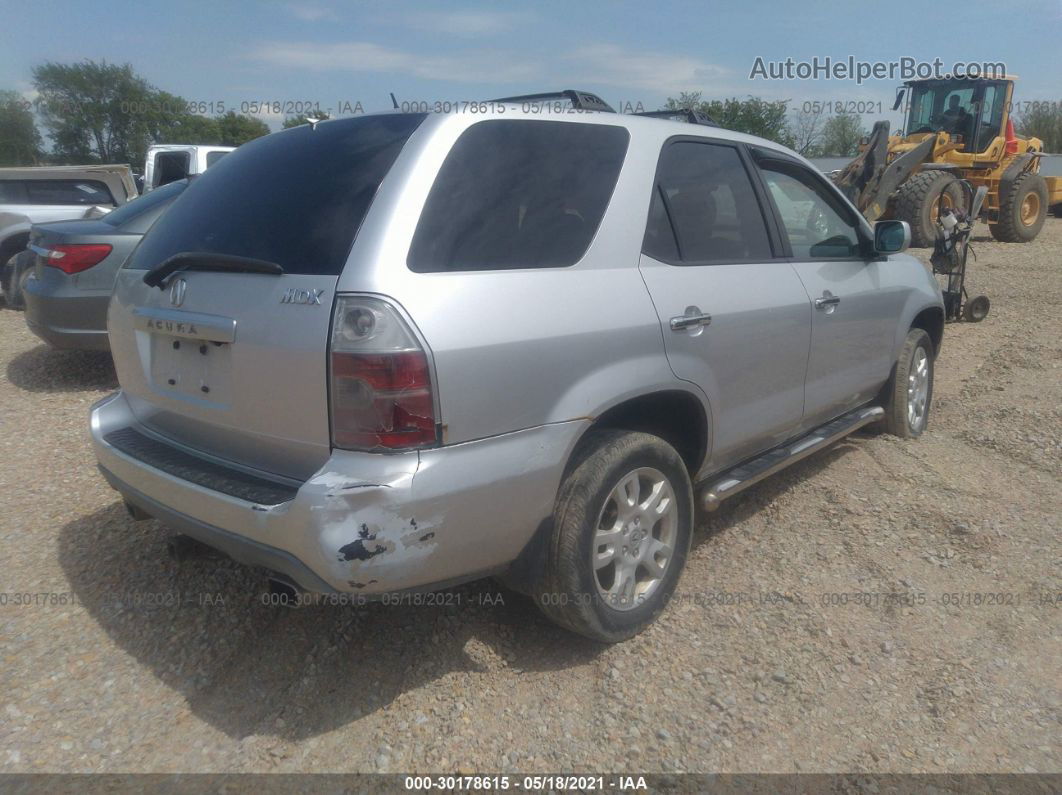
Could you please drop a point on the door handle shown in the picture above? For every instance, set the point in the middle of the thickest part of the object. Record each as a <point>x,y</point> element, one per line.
<point>693,318</point>
<point>827,302</point>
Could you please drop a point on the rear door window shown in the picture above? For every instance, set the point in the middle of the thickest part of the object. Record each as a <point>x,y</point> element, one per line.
<point>296,198</point>
<point>706,193</point>
<point>64,191</point>
<point>518,194</point>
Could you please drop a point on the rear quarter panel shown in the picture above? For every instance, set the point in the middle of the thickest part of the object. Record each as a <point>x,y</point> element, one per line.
<point>520,348</point>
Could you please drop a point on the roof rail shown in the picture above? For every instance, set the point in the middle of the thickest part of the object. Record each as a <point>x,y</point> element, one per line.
<point>581,100</point>
<point>681,114</point>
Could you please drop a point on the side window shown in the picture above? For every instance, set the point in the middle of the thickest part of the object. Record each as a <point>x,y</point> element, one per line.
<point>12,192</point>
<point>55,191</point>
<point>518,194</point>
<point>705,192</point>
<point>813,218</point>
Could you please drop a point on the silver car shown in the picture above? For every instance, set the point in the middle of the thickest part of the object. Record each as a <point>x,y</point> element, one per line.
<point>399,351</point>
<point>72,265</point>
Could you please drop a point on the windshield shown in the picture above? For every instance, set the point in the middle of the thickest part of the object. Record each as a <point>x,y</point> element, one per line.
<point>971,110</point>
<point>142,204</point>
<point>295,197</point>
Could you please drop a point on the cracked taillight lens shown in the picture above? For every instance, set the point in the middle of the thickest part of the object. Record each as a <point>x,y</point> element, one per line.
<point>381,392</point>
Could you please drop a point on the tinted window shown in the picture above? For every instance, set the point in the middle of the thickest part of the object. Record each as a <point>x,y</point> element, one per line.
<point>142,204</point>
<point>518,194</point>
<point>13,192</point>
<point>812,216</point>
<point>295,197</point>
<point>170,167</point>
<point>659,234</point>
<point>67,191</point>
<point>711,203</point>
<point>213,157</point>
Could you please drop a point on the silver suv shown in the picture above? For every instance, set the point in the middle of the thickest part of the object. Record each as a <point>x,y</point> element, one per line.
<point>399,351</point>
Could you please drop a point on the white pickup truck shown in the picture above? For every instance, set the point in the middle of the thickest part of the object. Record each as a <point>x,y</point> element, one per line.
<point>37,195</point>
<point>170,162</point>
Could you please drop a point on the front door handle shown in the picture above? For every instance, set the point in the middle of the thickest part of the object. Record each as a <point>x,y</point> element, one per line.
<point>694,317</point>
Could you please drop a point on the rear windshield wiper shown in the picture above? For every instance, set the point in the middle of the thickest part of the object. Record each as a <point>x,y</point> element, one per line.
<point>207,261</point>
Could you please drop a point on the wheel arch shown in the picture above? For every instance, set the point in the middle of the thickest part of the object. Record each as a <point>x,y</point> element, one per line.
<point>677,416</point>
<point>931,321</point>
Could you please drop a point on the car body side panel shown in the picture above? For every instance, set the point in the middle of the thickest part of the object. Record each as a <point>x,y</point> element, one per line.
<point>516,349</point>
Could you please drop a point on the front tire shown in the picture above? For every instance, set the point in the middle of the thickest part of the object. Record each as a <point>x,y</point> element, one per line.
<point>909,392</point>
<point>920,201</point>
<point>623,522</point>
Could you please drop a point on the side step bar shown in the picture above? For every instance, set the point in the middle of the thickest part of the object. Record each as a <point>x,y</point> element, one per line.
<point>744,475</point>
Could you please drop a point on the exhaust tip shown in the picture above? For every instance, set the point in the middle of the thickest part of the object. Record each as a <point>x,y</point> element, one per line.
<point>283,593</point>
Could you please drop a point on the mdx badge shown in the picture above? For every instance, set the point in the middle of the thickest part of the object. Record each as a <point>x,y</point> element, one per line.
<point>293,296</point>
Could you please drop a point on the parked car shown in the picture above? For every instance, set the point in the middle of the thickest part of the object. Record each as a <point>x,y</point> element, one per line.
<point>72,265</point>
<point>53,193</point>
<point>166,163</point>
<point>510,343</point>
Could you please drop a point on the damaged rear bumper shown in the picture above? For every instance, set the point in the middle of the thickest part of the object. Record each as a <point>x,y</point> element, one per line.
<point>364,523</point>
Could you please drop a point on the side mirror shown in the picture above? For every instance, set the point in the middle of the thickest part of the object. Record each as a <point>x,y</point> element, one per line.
<point>891,237</point>
<point>899,99</point>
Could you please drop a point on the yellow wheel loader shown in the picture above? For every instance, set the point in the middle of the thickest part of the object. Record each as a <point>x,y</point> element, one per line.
<point>958,136</point>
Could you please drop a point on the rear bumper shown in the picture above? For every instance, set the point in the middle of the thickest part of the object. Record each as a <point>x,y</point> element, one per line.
<point>365,523</point>
<point>78,322</point>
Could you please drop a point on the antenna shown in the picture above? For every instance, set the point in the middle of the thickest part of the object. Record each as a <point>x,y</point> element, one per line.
<point>393,100</point>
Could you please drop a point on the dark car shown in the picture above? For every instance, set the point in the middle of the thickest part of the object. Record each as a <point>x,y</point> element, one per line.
<point>72,265</point>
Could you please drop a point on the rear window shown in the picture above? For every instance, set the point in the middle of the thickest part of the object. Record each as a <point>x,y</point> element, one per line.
<point>67,191</point>
<point>12,192</point>
<point>142,204</point>
<point>518,194</point>
<point>295,197</point>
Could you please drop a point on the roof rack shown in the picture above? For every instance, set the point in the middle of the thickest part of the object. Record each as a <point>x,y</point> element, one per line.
<point>681,114</point>
<point>581,100</point>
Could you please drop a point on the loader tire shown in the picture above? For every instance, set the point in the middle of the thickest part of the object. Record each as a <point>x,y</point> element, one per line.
<point>1022,211</point>
<point>920,200</point>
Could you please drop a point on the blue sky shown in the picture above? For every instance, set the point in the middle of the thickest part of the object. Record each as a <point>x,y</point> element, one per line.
<point>333,52</point>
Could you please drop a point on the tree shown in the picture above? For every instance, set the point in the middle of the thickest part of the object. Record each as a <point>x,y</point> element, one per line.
<point>295,121</point>
<point>841,135</point>
<point>806,128</point>
<point>95,112</point>
<point>173,123</point>
<point>1043,120</point>
<point>236,128</point>
<point>753,115</point>
<point>20,142</point>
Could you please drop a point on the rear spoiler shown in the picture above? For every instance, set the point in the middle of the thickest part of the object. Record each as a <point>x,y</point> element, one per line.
<point>581,100</point>
<point>681,114</point>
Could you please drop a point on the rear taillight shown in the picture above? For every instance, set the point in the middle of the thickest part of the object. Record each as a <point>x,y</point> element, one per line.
<point>381,394</point>
<point>76,257</point>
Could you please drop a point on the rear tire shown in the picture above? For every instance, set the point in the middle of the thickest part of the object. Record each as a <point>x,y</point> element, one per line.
<point>1022,211</point>
<point>909,393</point>
<point>623,522</point>
<point>920,199</point>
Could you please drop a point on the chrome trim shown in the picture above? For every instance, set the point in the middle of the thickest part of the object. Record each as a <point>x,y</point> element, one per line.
<point>690,321</point>
<point>741,477</point>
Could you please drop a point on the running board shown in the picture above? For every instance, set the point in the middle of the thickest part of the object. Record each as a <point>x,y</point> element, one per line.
<point>744,475</point>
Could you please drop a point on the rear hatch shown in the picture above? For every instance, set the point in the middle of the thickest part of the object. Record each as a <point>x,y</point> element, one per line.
<point>228,354</point>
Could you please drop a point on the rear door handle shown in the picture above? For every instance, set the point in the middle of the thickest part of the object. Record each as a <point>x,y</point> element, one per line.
<point>693,318</point>
<point>828,300</point>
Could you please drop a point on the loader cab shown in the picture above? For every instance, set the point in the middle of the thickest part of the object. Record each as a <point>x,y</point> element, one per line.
<point>973,109</point>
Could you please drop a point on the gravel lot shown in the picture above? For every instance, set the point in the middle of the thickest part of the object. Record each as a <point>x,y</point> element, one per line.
<point>114,680</point>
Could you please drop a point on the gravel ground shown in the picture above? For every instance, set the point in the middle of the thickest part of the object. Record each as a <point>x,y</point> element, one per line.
<point>749,671</point>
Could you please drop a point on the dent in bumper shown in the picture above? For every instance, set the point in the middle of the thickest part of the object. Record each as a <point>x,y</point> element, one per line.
<point>372,523</point>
